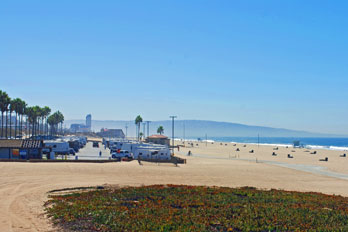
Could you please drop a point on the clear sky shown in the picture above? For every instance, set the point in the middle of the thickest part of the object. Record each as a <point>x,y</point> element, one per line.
<point>269,63</point>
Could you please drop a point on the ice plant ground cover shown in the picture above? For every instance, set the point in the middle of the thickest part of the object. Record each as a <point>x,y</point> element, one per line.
<point>197,208</point>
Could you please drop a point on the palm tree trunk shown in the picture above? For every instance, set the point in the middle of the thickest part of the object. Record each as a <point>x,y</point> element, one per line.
<point>2,124</point>
<point>27,129</point>
<point>15,134</point>
<point>20,124</point>
<point>10,124</point>
<point>33,129</point>
<point>6,125</point>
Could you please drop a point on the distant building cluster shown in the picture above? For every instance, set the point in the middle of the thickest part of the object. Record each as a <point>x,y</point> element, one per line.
<point>81,128</point>
<point>111,133</point>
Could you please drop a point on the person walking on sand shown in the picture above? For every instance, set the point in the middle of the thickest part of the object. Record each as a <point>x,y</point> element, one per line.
<point>139,161</point>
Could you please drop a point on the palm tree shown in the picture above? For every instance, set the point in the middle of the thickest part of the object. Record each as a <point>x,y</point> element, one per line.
<point>11,109</point>
<point>60,120</point>
<point>16,104</point>
<point>30,120</point>
<point>51,122</point>
<point>36,116</point>
<point>4,103</point>
<point>21,111</point>
<point>46,113</point>
<point>54,120</point>
<point>27,112</point>
<point>138,120</point>
<point>160,130</point>
<point>41,115</point>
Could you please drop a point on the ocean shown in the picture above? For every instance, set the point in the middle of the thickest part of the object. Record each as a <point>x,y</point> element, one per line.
<point>314,143</point>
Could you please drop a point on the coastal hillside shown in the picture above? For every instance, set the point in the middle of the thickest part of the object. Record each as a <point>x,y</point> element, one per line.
<point>199,128</point>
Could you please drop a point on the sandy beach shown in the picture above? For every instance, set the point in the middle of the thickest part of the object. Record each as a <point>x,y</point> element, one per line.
<point>24,186</point>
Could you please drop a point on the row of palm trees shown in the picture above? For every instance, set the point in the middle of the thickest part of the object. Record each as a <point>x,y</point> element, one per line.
<point>138,121</point>
<point>33,120</point>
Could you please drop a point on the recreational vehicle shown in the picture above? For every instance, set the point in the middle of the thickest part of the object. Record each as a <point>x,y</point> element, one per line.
<point>151,153</point>
<point>59,147</point>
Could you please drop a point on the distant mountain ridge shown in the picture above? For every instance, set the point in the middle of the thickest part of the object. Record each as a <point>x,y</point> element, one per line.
<point>199,128</point>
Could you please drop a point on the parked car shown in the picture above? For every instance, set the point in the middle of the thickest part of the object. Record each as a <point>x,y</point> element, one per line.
<point>71,151</point>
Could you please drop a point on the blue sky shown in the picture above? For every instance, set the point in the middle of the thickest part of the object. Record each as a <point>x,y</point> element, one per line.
<point>269,63</point>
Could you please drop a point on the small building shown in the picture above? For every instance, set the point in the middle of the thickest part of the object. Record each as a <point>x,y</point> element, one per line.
<point>20,149</point>
<point>111,133</point>
<point>158,139</point>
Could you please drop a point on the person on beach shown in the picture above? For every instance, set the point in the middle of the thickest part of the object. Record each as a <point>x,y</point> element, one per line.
<point>139,161</point>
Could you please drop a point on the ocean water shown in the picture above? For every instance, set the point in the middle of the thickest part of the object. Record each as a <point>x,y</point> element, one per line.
<point>314,143</point>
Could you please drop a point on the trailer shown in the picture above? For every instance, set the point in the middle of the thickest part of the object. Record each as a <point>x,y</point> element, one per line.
<point>59,147</point>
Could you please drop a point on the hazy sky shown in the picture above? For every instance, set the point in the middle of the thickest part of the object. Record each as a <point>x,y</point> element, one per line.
<point>270,63</point>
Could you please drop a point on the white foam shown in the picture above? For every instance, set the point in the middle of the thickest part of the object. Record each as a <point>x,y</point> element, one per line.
<point>338,148</point>
<point>265,144</point>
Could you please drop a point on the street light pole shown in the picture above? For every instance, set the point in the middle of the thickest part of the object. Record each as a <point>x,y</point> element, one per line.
<point>173,117</point>
<point>184,133</point>
<point>126,130</point>
<point>148,128</point>
<point>144,129</point>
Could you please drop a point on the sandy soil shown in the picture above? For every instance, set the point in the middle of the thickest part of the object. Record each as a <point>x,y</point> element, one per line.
<point>24,186</point>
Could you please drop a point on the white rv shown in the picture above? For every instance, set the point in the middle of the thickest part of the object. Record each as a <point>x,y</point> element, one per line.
<point>151,153</point>
<point>59,147</point>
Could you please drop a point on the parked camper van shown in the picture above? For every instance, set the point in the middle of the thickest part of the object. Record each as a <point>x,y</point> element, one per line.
<point>150,153</point>
<point>59,147</point>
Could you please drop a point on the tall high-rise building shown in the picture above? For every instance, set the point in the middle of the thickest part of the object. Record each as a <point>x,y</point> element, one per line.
<point>89,121</point>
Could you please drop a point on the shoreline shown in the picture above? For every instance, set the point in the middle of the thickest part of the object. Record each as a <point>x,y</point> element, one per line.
<point>307,146</point>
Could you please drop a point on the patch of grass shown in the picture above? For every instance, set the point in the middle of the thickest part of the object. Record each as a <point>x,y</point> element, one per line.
<point>192,208</point>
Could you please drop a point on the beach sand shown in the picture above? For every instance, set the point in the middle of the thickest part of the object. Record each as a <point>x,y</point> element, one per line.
<point>24,186</point>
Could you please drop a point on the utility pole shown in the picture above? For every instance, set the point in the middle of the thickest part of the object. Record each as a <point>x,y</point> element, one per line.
<point>126,130</point>
<point>144,129</point>
<point>173,117</point>
<point>148,128</point>
<point>258,140</point>
<point>184,133</point>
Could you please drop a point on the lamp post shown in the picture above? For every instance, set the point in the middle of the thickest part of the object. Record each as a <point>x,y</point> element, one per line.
<point>148,126</point>
<point>144,129</point>
<point>173,117</point>
<point>126,130</point>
